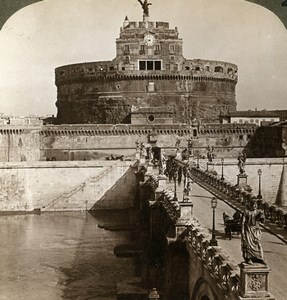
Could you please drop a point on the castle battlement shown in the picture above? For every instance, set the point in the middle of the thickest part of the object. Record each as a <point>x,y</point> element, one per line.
<point>195,70</point>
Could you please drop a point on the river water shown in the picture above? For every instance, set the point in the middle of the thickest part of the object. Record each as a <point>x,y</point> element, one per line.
<point>61,256</point>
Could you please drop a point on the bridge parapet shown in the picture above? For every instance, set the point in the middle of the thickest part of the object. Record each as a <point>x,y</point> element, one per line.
<point>214,274</point>
<point>240,197</point>
<point>212,264</point>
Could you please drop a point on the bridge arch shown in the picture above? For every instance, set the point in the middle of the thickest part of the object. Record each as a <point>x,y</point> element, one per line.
<point>203,291</point>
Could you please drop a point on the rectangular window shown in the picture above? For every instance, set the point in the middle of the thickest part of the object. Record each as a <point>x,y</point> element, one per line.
<point>142,50</point>
<point>127,48</point>
<point>157,47</point>
<point>172,58</point>
<point>240,121</point>
<point>142,65</point>
<point>171,48</point>
<point>157,65</point>
<point>149,65</point>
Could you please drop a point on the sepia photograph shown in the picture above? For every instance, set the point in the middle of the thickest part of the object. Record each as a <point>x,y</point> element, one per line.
<point>143,149</point>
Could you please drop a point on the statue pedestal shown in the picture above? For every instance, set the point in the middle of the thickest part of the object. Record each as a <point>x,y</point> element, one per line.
<point>150,167</point>
<point>210,166</point>
<point>241,180</point>
<point>162,182</point>
<point>254,282</point>
<point>186,207</point>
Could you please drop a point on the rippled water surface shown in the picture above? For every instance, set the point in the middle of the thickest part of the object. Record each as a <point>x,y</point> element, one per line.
<point>61,256</point>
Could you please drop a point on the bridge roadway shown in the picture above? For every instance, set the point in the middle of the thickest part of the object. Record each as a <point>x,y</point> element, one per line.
<point>275,250</point>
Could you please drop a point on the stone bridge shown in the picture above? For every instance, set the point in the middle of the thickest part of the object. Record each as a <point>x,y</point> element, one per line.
<point>179,260</point>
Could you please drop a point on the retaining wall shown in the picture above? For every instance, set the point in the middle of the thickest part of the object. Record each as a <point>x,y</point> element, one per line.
<point>63,185</point>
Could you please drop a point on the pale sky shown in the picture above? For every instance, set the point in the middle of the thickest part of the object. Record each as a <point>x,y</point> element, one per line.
<point>48,34</point>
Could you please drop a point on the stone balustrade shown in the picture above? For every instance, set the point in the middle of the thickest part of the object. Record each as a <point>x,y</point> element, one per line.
<point>223,271</point>
<point>230,281</point>
<point>272,212</point>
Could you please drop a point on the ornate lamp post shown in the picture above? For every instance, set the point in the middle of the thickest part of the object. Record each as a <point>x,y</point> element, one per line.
<point>213,241</point>
<point>222,162</point>
<point>175,178</point>
<point>197,161</point>
<point>259,188</point>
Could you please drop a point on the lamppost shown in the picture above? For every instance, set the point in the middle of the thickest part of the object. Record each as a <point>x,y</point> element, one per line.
<point>222,162</point>
<point>213,241</point>
<point>259,188</point>
<point>175,178</point>
<point>197,161</point>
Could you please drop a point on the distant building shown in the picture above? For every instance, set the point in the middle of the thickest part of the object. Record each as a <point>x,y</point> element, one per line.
<point>20,120</point>
<point>257,117</point>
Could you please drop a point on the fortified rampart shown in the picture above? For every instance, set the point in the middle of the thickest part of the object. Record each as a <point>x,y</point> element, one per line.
<point>94,141</point>
<point>91,93</point>
<point>88,142</point>
<point>20,143</point>
<point>79,142</point>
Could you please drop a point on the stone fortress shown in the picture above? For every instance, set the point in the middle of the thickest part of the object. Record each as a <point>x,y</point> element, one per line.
<point>149,93</point>
<point>149,79</point>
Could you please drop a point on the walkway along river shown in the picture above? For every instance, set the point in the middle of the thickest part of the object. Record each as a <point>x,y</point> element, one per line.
<point>62,256</point>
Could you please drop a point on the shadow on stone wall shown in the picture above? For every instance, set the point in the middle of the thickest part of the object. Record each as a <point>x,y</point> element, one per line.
<point>265,142</point>
<point>121,195</point>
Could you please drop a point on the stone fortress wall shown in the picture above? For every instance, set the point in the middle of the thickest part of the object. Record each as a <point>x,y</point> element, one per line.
<point>149,70</point>
<point>93,93</point>
<point>19,143</point>
<point>94,141</point>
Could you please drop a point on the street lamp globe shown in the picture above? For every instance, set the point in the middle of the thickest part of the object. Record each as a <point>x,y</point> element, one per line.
<point>214,203</point>
<point>259,172</point>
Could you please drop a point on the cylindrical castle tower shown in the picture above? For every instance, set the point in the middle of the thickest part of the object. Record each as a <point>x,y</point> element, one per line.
<point>150,73</point>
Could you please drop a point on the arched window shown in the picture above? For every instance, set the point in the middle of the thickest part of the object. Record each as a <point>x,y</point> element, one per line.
<point>218,69</point>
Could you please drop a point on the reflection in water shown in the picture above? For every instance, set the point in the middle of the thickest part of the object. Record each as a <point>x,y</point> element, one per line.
<point>61,256</point>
